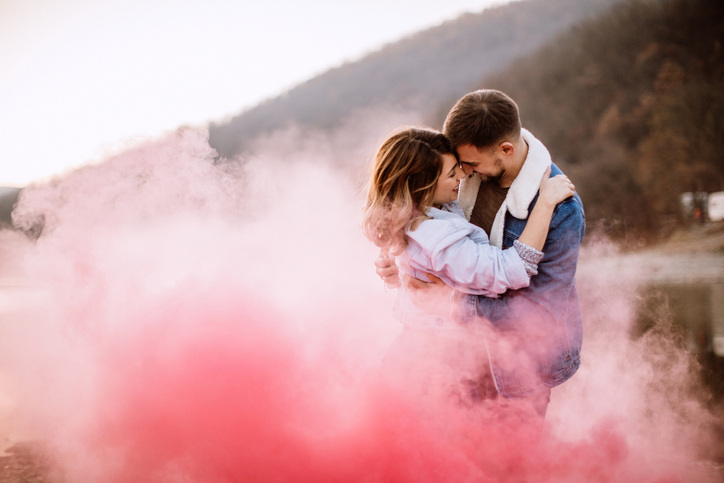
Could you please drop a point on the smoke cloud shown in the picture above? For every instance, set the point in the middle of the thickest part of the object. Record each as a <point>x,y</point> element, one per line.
<point>186,318</point>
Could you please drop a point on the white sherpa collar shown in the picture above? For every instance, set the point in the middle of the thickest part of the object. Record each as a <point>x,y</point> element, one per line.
<point>521,193</point>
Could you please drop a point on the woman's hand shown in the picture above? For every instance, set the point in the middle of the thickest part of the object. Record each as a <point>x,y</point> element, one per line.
<point>556,189</point>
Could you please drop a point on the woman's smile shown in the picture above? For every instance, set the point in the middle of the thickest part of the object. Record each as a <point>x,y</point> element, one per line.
<point>448,183</point>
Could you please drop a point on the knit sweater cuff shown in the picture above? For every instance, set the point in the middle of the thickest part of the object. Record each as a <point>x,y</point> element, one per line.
<point>530,256</point>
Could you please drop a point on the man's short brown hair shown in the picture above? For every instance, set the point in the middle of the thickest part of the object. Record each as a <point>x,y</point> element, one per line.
<point>483,118</point>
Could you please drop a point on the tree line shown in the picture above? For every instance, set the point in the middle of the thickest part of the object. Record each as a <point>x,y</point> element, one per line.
<point>631,105</point>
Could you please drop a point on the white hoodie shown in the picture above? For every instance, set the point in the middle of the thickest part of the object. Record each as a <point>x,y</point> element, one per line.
<point>452,248</point>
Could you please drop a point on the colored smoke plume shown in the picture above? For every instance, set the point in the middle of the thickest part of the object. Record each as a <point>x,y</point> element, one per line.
<point>196,319</point>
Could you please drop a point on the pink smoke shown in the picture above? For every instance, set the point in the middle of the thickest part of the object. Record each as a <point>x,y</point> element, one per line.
<point>199,320</point>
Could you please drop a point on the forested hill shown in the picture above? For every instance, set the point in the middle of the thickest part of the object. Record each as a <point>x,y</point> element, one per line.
<point>631,105</point>
<point>422,72</point>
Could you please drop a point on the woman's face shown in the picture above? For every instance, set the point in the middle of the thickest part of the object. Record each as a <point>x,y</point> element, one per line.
<point>448,183</point>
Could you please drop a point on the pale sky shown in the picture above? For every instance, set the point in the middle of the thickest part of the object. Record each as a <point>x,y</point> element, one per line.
<point>80,79</point>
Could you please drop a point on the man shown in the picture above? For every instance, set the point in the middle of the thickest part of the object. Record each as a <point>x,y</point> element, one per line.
<point>536,334</point>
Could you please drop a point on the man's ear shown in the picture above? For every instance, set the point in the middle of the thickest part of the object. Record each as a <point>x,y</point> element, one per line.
<point>506,148</point>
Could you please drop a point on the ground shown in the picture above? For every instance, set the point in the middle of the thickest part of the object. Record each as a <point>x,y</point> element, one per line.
<point>24,463</point>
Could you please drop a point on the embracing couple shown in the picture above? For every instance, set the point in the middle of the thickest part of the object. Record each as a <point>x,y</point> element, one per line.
<point>481,232</point>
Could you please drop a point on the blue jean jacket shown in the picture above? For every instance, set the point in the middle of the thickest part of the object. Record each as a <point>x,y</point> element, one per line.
<point>537,331</point>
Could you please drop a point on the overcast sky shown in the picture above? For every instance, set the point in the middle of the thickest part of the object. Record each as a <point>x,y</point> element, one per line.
<point>82,78</point>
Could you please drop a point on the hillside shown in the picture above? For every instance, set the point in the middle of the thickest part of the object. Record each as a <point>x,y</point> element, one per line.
<point>423,71</point>
<point>631,105</point>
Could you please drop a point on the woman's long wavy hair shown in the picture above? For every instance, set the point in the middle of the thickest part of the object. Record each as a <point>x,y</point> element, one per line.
<point>402,185</point>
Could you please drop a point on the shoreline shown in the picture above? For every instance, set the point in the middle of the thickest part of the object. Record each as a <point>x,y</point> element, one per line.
<point>691,256</point>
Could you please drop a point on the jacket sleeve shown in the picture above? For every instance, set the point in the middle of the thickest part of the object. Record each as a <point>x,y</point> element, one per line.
<point>469,264</point>
<point>549,291</point>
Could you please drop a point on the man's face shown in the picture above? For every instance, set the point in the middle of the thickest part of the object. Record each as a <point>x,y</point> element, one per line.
<point>486,162</point>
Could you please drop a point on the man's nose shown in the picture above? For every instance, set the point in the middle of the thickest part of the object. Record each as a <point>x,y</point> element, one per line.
<point>467,169</point>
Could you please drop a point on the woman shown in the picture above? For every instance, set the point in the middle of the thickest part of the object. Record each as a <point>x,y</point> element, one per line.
<point>412,213</point>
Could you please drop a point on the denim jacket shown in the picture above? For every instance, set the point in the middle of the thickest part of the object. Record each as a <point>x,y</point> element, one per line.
<point>536,333</point>
<point>544,318</point>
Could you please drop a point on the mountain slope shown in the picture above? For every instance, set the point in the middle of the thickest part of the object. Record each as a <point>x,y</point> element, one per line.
<point>434,66</point>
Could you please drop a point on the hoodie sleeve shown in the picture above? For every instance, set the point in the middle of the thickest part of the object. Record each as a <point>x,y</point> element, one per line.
<point>460,254</point>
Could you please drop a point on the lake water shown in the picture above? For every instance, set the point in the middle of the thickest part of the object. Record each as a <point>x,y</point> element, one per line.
<point>697,309</point>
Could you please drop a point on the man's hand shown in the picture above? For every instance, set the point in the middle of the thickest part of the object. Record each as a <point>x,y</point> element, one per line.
<point>413,283</point>
<point>387,270</point>
<point>434,296</point>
